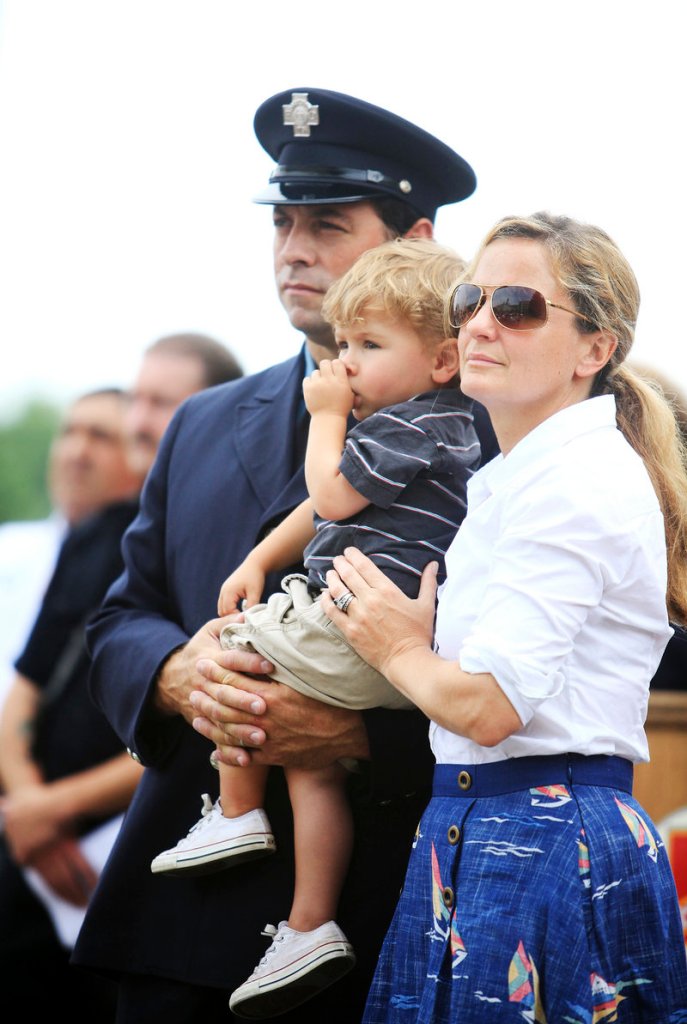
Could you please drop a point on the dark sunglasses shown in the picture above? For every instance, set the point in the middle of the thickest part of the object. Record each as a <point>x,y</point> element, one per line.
<point>514,306</point>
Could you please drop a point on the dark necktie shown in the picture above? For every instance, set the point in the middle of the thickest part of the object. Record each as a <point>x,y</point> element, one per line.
<point>301,438</point>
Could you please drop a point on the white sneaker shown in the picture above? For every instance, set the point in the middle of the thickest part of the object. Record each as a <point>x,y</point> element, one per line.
<point>296,967</point>
<point>216,842</point>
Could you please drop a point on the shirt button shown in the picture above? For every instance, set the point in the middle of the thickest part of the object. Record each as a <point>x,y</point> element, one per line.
<point>453,835</point>
<point>464,780</point>
<point>447,897</point>
<point>133,754</point>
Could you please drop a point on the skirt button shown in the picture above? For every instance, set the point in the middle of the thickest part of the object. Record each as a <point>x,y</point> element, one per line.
<point>453,835</point>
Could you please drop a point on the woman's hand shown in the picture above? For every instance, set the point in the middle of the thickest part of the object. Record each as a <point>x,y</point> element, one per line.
<point>381,623</point>
<point>394,634</point>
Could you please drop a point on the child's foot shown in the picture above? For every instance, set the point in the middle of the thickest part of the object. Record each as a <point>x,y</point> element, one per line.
<point>215,842</point>
<point>296,967</point>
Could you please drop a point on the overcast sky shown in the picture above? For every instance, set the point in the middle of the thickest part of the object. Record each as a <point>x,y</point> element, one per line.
<point>128,160</point>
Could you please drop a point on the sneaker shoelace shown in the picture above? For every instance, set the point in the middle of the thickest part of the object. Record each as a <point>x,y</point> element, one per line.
<point>277,935</point>
<point>208,814</point>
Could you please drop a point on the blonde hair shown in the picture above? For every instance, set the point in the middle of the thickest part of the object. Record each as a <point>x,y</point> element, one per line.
<point>603,288</point>
<point>671,392</point>
<point>407,278</point>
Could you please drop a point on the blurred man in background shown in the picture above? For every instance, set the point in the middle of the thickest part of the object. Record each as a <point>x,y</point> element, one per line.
<point>173,367</point>
<point>62,770</point>
<point>65,774</point>
<point>88,467</point>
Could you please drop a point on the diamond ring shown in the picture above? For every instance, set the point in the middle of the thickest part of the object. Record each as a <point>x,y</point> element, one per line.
<point>343,600</point>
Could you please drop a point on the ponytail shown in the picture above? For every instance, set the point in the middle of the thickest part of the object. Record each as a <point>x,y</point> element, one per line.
<point>648,421</point>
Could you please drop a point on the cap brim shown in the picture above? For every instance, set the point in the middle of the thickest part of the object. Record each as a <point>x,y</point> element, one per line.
<point>319,194</point>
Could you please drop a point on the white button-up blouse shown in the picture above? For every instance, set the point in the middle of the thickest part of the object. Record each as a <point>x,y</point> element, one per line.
<point>556,585</point>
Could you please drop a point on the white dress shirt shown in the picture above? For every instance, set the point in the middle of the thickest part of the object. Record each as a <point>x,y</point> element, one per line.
<point>28,552</point>
<point>556,585</point>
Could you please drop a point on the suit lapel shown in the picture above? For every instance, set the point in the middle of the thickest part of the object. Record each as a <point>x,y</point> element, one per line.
<point>264,425</point>
<point>293,494</point>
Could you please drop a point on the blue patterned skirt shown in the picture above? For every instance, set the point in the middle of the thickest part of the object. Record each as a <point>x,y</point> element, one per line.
<point>537,890</point>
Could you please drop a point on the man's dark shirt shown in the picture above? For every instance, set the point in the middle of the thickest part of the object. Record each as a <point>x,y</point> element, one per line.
<point>71,733</point>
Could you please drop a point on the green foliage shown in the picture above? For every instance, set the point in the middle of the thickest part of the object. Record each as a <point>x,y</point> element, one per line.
<point>24,447</point>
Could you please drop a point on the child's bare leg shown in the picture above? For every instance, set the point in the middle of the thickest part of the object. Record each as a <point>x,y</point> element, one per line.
<point>323,840</point>
<point>241,789</point>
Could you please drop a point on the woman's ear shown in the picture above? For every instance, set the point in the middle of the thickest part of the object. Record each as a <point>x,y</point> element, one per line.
<point>597,350</point>
<point>446,361</point>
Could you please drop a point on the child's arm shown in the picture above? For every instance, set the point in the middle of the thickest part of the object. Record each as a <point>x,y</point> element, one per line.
<point>281,547</point>
<point>329,400</point>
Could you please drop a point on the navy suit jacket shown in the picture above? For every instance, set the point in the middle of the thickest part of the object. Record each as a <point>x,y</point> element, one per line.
<point>223,474</point>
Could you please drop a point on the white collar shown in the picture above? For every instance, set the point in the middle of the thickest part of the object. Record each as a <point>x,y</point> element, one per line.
<point>554,432</point>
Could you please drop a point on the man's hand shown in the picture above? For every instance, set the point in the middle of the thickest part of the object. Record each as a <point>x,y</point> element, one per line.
<point>31,821</point>
<point>36,838</point>
<point>278,724</point>
<point>65,869</point>
<point>179,676</point>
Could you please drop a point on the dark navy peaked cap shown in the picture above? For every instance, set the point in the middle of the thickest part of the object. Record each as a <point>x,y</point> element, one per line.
<point>333,148</point>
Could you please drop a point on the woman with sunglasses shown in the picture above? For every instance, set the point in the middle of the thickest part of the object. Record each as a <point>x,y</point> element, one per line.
<point>538,889</point>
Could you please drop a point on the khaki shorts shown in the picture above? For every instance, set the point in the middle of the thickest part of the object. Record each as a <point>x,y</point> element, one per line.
<point>309,652</point>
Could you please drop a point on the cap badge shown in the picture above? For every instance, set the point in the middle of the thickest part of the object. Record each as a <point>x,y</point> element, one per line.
<point>301,114</point>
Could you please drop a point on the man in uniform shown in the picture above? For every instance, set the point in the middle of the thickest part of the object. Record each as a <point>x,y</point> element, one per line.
<point>348,176</point>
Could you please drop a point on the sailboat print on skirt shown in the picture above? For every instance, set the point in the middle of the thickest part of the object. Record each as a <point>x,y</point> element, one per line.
<point>523,986</point>
<point>639,829</point>
<point>444,924</point>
